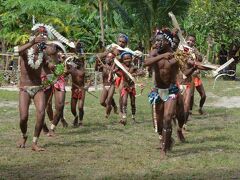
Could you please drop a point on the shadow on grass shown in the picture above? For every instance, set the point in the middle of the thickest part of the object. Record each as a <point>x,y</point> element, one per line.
<point>38,170</point>
<point>78,143</point>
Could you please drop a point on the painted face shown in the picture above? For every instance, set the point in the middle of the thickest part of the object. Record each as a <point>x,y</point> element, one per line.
<point>191,41</point>
<point>122,42</point>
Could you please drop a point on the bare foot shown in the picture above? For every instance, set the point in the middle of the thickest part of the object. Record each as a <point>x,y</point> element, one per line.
<point>64,123</point>
<point>51,133</point>
<point>36,148</point>
<point>200,111</point>
<point>106,116</point>
<point>115,109</point>
<point>123,122</point>
<point>22,142</point>
<point>80,124</point>
<point>134,119</point>
<point>45,129</point>
<point>180,136</point>
<point>75,122</point>
<point>163,155</point>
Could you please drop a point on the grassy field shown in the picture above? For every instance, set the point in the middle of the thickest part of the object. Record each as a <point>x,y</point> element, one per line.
<point>103,149</point>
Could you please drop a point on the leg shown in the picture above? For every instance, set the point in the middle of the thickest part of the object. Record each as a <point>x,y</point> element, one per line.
<point>74,112</point>
<point>157,117</point>
<point>24,101</point>
<point>187,99</point>
<point>81,108</point>
<point>63,121</point>
<point>203,96</point>
<point>169,110</point>
<point>133,106</point>
<point>114,105</point>
<point>39,101</point>
<point>59,106</point>
<point>109,100</point>
<point>124,109</point>
<point>180,117</point>
<point>192,99</point>
<point>48,100</point>
<point>103,97</point>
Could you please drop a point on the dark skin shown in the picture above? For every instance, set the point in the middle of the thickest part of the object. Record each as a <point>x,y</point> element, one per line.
<point>165,68</point>
<point>187,71</point>
<point>128,83</point>
<point>78,78</point>
<point>121,41</point>
<point>106,99</point>
<point>31,77</point>
<point>191,42</point>
<point>55,57</point>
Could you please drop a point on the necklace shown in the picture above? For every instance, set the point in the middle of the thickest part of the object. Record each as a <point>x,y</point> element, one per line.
<point>37,63</point>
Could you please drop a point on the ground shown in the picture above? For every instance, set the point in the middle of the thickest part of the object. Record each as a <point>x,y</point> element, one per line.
<point>103,149</point>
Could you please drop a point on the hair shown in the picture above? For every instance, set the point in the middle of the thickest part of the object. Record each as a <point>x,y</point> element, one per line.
<point>125,53</point>
<point>121,35</point>
<point>191,35</point>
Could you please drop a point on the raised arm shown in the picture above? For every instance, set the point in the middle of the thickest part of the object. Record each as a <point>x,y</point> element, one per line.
<point>150,61</point>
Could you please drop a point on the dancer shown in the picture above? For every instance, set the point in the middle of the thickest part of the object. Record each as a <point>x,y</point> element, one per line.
<point>106,99</point>
<point>32,59</point>
<point>191,41</point>
<point>163,95</point>
<point>77,72</point>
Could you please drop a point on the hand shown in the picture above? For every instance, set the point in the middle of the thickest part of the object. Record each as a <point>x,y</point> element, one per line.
<point>168,55</point>
<point>51,66</point>
<point>115,51</point>
<point>40,38</point>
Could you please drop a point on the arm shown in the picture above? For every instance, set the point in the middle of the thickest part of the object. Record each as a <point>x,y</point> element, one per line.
<point>150,61</point>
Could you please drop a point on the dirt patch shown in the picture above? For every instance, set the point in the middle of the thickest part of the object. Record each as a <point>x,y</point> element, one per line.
<point>223,101</point>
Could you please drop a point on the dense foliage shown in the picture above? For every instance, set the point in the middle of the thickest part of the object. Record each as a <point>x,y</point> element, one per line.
<point>79,19</point>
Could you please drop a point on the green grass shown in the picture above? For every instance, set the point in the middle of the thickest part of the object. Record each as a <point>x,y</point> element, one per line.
<point>103,149</point>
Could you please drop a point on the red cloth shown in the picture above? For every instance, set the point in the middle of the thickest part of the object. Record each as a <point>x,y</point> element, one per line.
<point>130,90</point>
<point>60,84</point>
<point>197,81</point>
<point>119,79</point>
<point>77,93</point>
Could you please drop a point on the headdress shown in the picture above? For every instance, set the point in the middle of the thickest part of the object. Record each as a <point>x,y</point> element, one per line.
<point>121,35</point>
<point>53,33</point>
<point>167,34</point>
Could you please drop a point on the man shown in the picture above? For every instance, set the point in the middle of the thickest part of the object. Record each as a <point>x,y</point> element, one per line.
<point>32,59</point>
<point>108,90</point>
<point>163,96</point>
<point>191,41</point>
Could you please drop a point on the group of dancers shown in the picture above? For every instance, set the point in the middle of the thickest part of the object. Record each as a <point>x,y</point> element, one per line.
<point>44,65</point>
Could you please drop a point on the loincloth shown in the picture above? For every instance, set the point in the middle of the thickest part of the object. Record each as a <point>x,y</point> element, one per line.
<point>31,90</point>
<point>60,84</point>
<point>129,90</point>
<point>77,93</point>
<point>184,87</point>
<point>157,95</point>
<point>197,81</point>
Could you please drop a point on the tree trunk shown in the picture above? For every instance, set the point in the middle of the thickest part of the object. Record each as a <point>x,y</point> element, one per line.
<point>101,20</point>
<point>3,52</point>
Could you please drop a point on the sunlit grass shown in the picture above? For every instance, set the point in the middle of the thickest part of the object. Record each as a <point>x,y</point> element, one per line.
<point>103,149</point>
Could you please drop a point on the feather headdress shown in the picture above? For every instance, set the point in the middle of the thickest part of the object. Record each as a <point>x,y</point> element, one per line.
<point>52,33</point>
